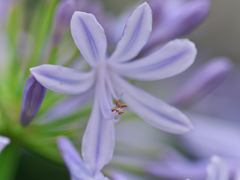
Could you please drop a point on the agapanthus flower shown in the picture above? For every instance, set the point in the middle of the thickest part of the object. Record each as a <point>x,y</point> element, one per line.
<point>217,169</point>
<point>212,136</point>
<point>106,78</point>
<point>171,19</point>
<point>77,168</point>
<point>202,82</point>
<point>65,10</point>
<point>224,102</point>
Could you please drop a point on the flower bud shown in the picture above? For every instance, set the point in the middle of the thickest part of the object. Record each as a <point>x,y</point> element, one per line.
<point>202,82</point>
<point>33,96</point>
<point>63,15</point>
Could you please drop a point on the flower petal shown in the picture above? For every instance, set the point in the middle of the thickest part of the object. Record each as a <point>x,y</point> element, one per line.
<point>98,140</point>
<point>217,169</point>
<point>66,107</point>
<point>62,79</point>
<point>89,37</point>
<point>202,82</point>
<point>237,175</point>
<point>33,96</point>
<point>73,160</point>
<point>171,60</point>
<point>172,161</point>
<point>152,109</point>
<point>136,33</point>
<point>4,141</point>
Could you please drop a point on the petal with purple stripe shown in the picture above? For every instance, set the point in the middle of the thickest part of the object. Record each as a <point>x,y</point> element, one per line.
<point>62,79</point>
<point>153,110</point>
<point>73,160</point>
<point>172,59</point>
<point>136,33</point>
<point>89,37</point>
<point>98,140</point>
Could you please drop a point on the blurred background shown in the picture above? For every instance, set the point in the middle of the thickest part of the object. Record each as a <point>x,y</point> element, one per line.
<point>217,36</point>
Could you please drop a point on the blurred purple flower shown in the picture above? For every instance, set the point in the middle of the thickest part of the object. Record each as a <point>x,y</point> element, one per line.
<point>4,141</point>
<point>173,19</point>
<point>5,7</point>
<point>212,136</point>
<point>217,169</point>
<point>77,168</point>
<point>105,77</point>
<point>202,82</point>
<point>224,102</point>
<point>65,10</point>
<point>32,99</point>
<point>173,165</point>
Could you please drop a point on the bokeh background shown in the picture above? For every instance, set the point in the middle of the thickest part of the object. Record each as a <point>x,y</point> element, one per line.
<point>219,35</point>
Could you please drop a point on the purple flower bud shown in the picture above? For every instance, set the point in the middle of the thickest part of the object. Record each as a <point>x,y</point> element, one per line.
<point>63,15</point>
<point>65,10</point>
<point>33,96</point>
<point>174,19</point>
<point>205,80</point>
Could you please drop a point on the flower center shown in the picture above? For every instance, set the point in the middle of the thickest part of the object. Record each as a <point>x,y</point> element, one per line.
<point>119,108</point>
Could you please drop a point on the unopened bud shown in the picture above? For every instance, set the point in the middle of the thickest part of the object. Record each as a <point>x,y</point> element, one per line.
<point>33,96</point>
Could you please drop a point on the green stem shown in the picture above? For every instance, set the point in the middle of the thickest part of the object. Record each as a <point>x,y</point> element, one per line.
<point>9,159</point>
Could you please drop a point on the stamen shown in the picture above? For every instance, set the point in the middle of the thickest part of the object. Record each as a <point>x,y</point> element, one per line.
<point>113,109</point>
<point>117,111</point>
<point>120,112</point>
<point>110,86</point>
<point>123,105</point>
<point>118,119</point>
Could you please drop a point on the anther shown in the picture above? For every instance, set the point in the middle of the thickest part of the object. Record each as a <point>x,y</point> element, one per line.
<point>120,112</point>
<point>113,109</point>
<point>117,111</point>
<point>123,105</point>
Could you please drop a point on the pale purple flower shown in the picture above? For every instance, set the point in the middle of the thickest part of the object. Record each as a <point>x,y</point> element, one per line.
<point>4,141</point>
<point>224,102</point>
<point>202,82</point>
<point>212,136</point>
<point>32,99</point>
<point>173,165</point>
<point>63,14</point>
<point>217,169</point>
<point>65,10</point>
<point>106,78</point>
<point>121,175</point>
<point>5,7</point>
<point>173,19</point>
<point>77,168</point>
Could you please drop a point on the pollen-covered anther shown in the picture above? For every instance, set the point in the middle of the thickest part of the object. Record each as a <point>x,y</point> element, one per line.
<point>113,109</point>
<point>120,106</point>
<point>123,105</point>
<point>120,112</point>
